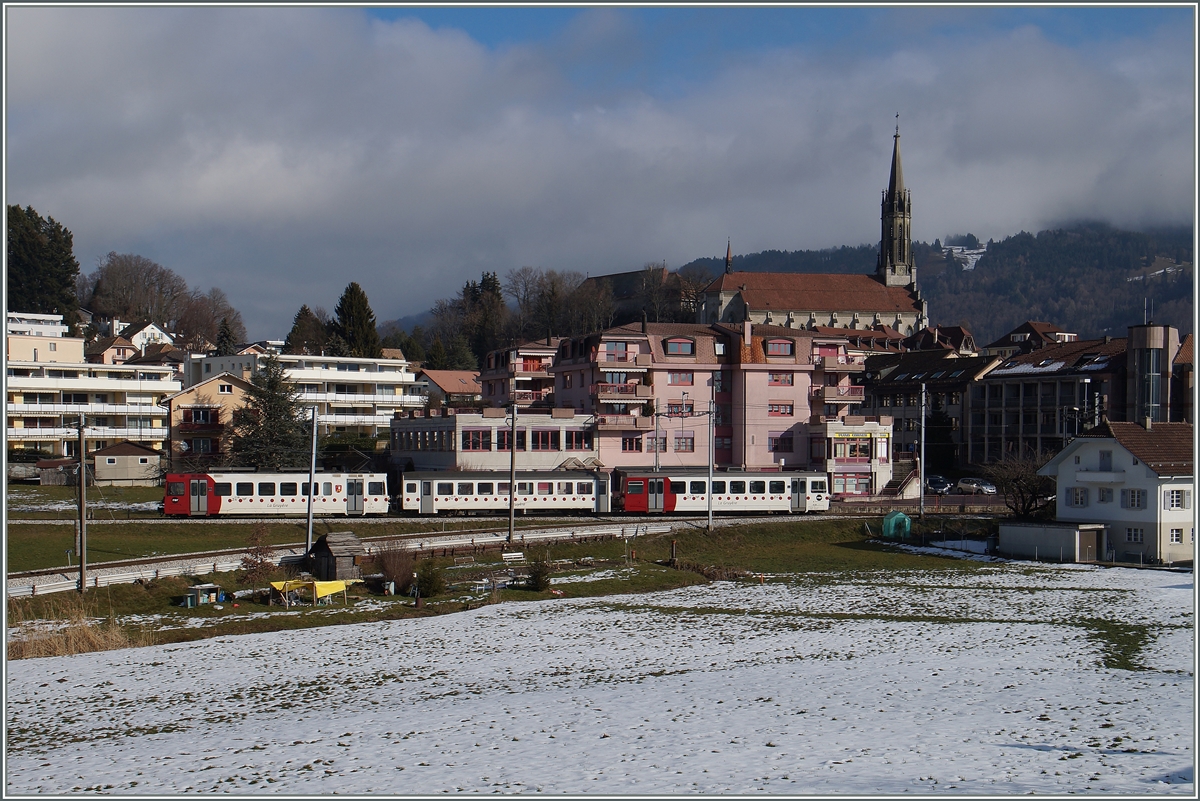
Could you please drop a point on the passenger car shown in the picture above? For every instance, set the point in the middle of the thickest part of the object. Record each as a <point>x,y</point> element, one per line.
<point>975,486</point>
<point>938,485</point>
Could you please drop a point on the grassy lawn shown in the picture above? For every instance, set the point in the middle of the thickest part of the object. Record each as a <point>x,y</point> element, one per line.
<point>24,501</point>
<point>139,614</point>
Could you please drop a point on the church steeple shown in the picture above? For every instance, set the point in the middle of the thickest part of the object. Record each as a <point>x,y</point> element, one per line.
<point>729,257</point>
<point>895,266</point>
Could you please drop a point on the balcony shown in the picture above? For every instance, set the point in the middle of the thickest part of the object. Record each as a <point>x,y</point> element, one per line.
<point>200,427</point>
<point>838,394</point>
<point>841,364</point>
<point>620,392</point>
<point>96,432</point>
<point>626,358</point>
<point>363,399</point>
<point>38,409</point>
<point>623,422</point>
<point>531,395</point>
<point>1100,476</point>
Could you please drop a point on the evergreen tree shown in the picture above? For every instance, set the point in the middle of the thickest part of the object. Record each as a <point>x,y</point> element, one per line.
<point>437,358</point>
<point>460,357</point>
<point>336,346</point>
<point>42,270</point>
<point>270,432</point>
<point>307,336</point>
<point>355,322</point>
<point>227,345</point>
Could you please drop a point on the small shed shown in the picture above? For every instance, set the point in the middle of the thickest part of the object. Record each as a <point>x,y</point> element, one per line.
<point>896,526</point>
<point>337,556</point>
<point>127,464</point>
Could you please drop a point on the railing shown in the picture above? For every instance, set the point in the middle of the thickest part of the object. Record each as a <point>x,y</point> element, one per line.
<point>148,409</point>
<point>624,421</point>
<point>92,432</point>
<point>530,395</point>
<point>613,389</point>
<point>200,426</point>
<point>840,362</point>
<point>342,397</point>
<point>107,579</point>
<point>839,394</point>
<point>607,356</point>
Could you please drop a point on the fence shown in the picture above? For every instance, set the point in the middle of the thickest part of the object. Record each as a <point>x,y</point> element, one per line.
<point>106,579</point>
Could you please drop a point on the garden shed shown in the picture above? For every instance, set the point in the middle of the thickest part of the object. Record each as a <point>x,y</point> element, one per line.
<point>337,556</point>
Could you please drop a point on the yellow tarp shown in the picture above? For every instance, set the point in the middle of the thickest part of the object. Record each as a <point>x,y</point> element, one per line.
<point>320,589</point>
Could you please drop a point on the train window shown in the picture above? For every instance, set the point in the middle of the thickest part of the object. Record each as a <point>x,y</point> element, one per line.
<point>601,487</point>
<point>175,488</point>
<point>678,487</point>
<point>326,487</point>
<point>503,488</point>
<point>466,488</point>
<point>565,487</point>
<point>410,486</point>
<point>584,488</point>
<point>304,489</point>
<point>545,488</point>
<point>818,485</point>
<point>287,488</point>
<point>635,488</point>
<point>697,488</point>
<point>223,488</point>
<point>445,488</point>
<point>245,488</point>
<point>718,488</point>
<point>375,488</point>
<point>778,486</point>
<point>484,488</point>
<point>524,487</point>
<point>737,487</point>
<point>266,488</point>
<point>758,487</point>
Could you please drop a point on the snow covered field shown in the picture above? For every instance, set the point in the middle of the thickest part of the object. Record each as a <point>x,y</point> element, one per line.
<point>985,682</point>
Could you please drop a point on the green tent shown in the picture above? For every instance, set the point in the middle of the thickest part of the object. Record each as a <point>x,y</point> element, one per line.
<point>896,526</point>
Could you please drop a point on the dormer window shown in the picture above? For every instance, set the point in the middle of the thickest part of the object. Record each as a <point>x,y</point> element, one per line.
<point>681,347</point>
<point>779,347</point>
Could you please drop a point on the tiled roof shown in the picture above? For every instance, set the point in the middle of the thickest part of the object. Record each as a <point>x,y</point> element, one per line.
<point>391,353</point>
<point>158,354</point>
<point>816,292</point>
<point>1185,351</point>
<point>1037,330</point>
<point>928,364</point>
<point>104,343</point>
<point>454,381</point>
<point>1066,357</point>
<point>126,449</point>
<point>1166,448</point>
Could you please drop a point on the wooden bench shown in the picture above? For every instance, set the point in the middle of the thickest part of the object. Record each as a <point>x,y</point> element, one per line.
<point>464,560</point>
<point>513,557</point>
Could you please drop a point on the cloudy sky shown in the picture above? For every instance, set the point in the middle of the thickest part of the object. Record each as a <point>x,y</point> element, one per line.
<point>280,153</point>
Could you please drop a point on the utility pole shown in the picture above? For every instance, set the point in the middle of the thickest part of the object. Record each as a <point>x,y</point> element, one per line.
<point>712,456</point>
<point>312,482</point>
<point>656,435</point>
<point>512,473</point>
<point>82,507</point>
<point>921,466</point>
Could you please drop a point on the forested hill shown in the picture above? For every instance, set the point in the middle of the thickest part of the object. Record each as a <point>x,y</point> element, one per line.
<point>1090,279</point>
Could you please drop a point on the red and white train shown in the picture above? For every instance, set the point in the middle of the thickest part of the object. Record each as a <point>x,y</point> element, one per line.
<point>483,492</point>
<point>274,494</point>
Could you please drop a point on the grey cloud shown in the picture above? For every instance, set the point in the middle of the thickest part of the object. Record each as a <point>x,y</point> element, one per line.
<point>281,153</point>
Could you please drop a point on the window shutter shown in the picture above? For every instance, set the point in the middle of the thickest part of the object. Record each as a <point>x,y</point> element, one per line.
<point>1187,499</point>
<point>1124,499</point>
<point>1086,492</point>
<point>1166,499</point>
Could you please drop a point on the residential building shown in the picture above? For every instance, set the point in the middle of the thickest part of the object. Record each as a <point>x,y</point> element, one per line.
<point>894,384</point>
<point>450,439</point>
<point>806,300</point>
<point>162,354</point>
<point>145,333</point>
<point>36,325</point>
<point>520,374</point>
<point>354,396</point>
<point>1029,336</point>
<point>110,350</point>
<point>199,419</point>
<point>1149,353</point>
<point>1035,401</point>
<point>451,387</point>
<point>943,337</point>
<point>1183,383</point>
<point>49,384</point>
<point>1136,480</point>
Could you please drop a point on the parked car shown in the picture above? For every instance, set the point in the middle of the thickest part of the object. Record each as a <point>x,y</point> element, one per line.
<point>938,485</point>
<point>975,486</point>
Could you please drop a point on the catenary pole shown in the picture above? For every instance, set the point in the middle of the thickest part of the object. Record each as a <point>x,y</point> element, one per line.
<point>921,475</point>
<point>82,507</point>
<point>312,480</point>
<point>512,473</point>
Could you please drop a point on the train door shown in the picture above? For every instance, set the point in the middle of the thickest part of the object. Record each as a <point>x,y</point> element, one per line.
<point>199,496</point>
<point>799,491</point>
<point>603,504</point>
<point>427,498</point>
<point>354,495</point>
<point>655,492</point>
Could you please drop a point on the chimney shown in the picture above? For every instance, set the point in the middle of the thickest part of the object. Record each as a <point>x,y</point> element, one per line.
<point>1146,423</point>
<point>643,321</point>
<point>746,331</point>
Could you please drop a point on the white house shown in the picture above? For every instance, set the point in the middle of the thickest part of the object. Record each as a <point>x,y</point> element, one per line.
<point>1135,480</point>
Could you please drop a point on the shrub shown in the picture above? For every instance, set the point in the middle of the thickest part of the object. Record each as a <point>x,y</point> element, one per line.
<point>397,566</point>
<point>429,579</point>
<point>76,632</point>
<point>257,561</point>
<point>539,573</point>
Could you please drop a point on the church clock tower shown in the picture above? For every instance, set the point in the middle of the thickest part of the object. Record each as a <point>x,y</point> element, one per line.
<point>895,266</point>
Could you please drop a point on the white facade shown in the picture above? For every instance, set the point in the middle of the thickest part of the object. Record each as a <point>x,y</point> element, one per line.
<point>1148,517</point>
<point>36,325</point>
<point>352,395</point>
<point>150,334</point>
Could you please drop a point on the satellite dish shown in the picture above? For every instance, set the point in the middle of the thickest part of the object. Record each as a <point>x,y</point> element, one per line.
<point>183,446</point>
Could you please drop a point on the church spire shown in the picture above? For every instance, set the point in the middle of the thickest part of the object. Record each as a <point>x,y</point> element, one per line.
<point>896,266</point>
<point>728,256</point>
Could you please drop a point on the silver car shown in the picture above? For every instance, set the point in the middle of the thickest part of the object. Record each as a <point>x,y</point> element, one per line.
<point>975,486</point>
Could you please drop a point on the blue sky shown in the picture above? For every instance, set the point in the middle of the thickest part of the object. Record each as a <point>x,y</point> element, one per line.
<point>412,148</point>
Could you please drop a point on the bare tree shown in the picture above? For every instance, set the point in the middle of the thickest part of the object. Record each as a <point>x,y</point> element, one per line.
<point>199,321</point>
<point>132,287</point>
<point>654,292</point>
<point>522,286</point>
<point>1016,478</point>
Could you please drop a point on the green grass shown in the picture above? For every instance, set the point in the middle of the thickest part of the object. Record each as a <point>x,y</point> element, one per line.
<point>32,494</point>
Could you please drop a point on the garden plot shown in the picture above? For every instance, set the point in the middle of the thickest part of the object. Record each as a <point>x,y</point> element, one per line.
<point>998,680</point>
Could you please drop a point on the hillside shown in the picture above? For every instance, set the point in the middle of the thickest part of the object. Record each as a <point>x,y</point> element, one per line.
<point>1091,279</point>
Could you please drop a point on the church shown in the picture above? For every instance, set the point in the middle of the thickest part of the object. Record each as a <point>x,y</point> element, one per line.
<point>887,300</point>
